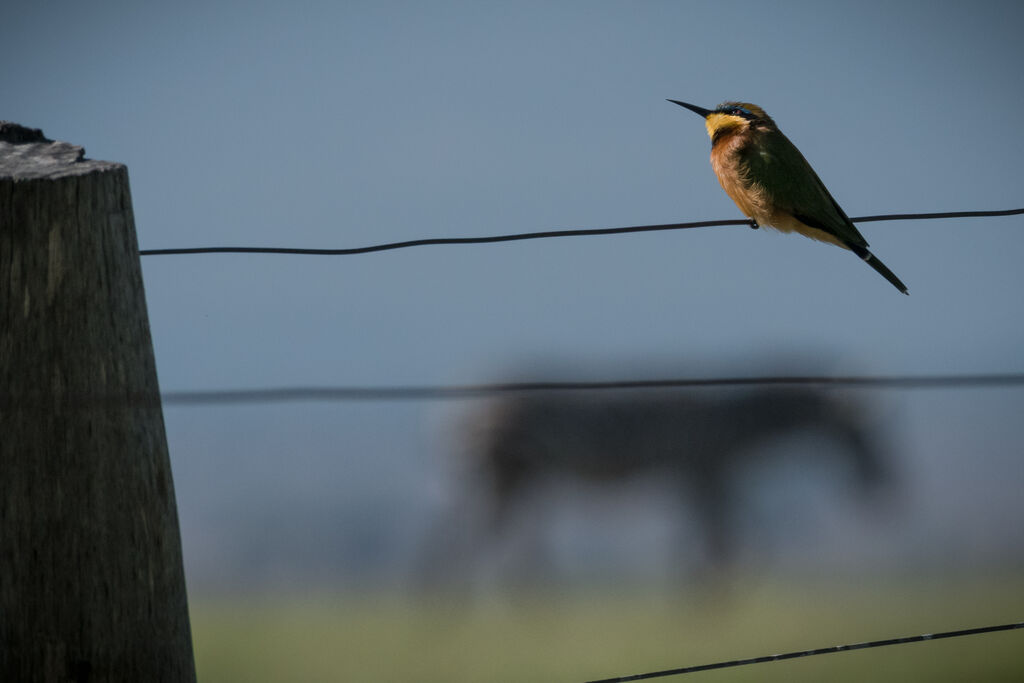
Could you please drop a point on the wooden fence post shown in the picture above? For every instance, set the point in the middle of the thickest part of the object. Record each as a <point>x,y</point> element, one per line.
<point>91,580</point>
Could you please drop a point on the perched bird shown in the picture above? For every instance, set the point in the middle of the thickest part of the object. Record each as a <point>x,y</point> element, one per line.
<point>772,183</point>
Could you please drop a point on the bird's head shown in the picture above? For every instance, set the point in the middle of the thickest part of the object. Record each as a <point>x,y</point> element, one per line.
<point>729,117</point>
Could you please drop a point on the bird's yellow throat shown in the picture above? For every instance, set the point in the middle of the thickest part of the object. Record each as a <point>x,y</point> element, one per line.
<point>718,123</point>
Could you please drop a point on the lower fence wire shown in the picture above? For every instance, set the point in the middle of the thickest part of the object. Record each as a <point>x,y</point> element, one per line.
<point>811,653</point>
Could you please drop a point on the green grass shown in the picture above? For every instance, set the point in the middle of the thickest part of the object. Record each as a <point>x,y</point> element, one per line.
<point>581,637</point>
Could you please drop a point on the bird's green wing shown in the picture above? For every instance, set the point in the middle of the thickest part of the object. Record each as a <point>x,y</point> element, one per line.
<point>778,166</point>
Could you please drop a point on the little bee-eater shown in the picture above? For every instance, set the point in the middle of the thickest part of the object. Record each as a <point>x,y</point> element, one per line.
<point>772,183</point>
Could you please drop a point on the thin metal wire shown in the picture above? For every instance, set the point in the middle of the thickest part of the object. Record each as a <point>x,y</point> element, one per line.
<point>464,391</point>
<point>546,234</point>
<point>443,240</point>
<point>427,392</point>
<point>811,653</point>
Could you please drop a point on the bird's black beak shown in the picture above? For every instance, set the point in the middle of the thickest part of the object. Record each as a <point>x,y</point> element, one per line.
<point>694,108</point>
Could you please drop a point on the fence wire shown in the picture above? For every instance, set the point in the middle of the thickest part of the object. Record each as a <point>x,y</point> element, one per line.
<point>811,653</point>
<point>545,234</point>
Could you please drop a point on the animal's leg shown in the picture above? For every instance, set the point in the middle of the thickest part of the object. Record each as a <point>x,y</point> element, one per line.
<point>715,506</point>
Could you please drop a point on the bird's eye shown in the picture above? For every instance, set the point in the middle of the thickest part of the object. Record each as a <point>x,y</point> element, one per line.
<point>738,112</point>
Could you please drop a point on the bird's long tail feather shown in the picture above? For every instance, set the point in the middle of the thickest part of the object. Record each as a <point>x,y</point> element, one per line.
<point>873,261</point>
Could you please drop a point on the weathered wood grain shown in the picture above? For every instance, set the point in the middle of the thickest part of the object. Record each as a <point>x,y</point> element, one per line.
<point>91,580</point>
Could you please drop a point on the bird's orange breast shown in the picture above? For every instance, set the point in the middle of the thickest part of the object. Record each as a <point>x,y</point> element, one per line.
<point>751,197</point>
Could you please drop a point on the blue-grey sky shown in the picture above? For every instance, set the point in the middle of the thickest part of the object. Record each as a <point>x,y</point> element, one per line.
<point>346,124</point>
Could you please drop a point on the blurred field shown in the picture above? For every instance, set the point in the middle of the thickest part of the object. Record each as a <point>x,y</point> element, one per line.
<point>580,637</point>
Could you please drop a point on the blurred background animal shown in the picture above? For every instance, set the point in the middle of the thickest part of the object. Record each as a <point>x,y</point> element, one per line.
<point>526,453</point>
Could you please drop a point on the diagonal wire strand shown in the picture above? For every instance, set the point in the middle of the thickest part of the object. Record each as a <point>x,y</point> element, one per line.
<point>490,239</point>
<point>811,653</point>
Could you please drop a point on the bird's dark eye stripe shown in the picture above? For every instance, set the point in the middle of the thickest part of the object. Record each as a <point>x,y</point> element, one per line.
<point>738,111</point>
